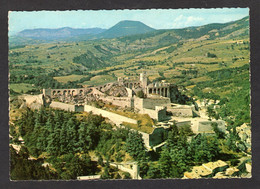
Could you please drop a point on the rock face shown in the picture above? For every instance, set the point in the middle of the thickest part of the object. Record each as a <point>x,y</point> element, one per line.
<point>244,132</point>
<point>232,171</point>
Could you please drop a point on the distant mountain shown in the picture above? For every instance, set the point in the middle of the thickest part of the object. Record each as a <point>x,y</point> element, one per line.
<point>125,28</point>
<point>134,30</point>
<point>229,30</point>
<point>60,33</point>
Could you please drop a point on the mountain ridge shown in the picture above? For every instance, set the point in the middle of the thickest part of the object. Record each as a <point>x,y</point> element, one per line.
<point>128,29</point>
<point>58,33</point>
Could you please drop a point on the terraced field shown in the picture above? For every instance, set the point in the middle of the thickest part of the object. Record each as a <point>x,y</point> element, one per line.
<point>183,57</point>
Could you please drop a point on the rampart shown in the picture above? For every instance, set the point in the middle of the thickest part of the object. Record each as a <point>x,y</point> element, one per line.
<point>183,123</point>
<point>150,103</point>
<point>159,113</point>
<point>132,168</point>
<point>200,125</point>
<point>67,107</point>
<point>206,126</point>
<point>65,92</point>
<point>115,118</point>
<point>181,112</point>
<point>118,101</point>
<point>34,101</point>
<point>178,110</point>
<point>156,137</point>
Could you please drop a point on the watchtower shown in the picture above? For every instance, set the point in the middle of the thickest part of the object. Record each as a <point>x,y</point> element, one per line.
<point>143,80</point>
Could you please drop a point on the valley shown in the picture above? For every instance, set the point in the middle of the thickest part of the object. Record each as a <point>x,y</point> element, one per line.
<point>207,66</point>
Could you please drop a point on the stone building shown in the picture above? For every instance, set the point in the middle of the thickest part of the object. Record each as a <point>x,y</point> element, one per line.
<point>156,101</point>
<point>149,88</point>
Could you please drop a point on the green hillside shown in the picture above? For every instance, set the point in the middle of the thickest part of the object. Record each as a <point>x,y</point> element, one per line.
<point>206,63</point>
<point>125,28</point>
<point>210,61</point>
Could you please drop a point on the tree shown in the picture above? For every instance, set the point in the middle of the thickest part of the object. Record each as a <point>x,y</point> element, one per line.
<point>220,134</point>
<point>174,157</point>
<point>100,159</point>
<point>140,94</point>
<point>24,169</point>
<point>106,174</point>
<point>211,112</point>
<point>203,149</point>
<point>211,55</point>
<point>135,145</point>
<point>72,135</point>
<point>153,172</point>
<point>54,140</point>
<point>231,140</point>
<point>173,135</point>
<point>87,136</point>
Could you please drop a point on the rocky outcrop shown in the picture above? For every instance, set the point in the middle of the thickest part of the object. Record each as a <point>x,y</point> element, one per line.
<point>32,101</point>
<point>244,133</point>
<point>116,90</point>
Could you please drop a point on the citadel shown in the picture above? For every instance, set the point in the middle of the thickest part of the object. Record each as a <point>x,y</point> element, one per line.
<point>136,95</point>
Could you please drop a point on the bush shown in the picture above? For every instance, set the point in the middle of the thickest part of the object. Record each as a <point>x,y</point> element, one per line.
<point>140,94</point>
<point>211,55</point>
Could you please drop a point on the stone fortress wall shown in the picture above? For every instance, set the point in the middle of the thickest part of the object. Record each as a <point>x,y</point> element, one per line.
<point>115,118</point>
<point>154,138</point>
<point>118,101</point>
<point>157,136</point>
<point>150,139</point>
<point>150,103</point>
<point>181,112</point>
<point>206,126</point>
<point>67,107</point>
<point>156,104</point>
<point>65,92</point>
<point>159,113</point>
<point>33,101</point>
<point>130,167</point>
<point>201,125</point>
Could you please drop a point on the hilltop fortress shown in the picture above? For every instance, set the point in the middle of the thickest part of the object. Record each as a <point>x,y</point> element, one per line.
<point>152,98</point>
<point>137,95</point>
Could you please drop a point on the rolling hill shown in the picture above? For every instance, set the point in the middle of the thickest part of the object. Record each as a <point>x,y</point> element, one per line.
<point>167,51</point>
<point>123,28</point>
<point>126,28</point>
<point>210,61</point>
<point>60,33</point>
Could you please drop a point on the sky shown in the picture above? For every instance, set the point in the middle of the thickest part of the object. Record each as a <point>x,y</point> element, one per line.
<point>155,18</point>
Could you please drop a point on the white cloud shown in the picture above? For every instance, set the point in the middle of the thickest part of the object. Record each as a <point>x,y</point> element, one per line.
<point>184,21</point>
<point>191,19</point>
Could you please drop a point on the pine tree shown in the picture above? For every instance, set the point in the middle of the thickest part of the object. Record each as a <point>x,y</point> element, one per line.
<point>135,146</point>
<point>54,140</point>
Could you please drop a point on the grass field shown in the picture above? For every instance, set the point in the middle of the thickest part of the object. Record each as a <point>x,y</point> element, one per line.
<point>65,79</point>
<point>100,79</point>
<point>21,87</point>
<point>129,57</point>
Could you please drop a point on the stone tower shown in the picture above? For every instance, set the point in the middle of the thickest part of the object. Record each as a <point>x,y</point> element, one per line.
<point>143,80</point>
